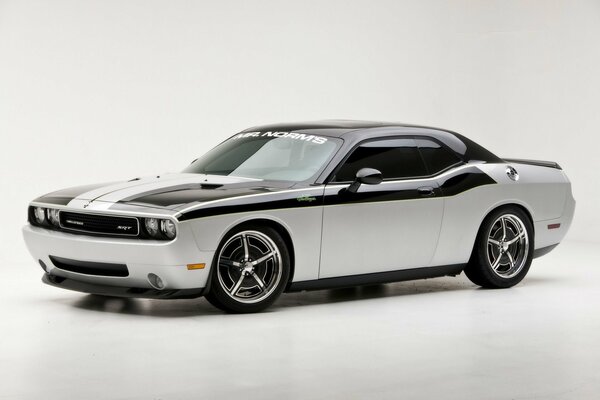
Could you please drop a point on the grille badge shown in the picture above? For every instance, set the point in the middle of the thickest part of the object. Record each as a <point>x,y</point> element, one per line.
<point>99,224</point>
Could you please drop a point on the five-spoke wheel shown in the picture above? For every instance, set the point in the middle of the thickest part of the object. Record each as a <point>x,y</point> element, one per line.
<point>252,268</point>
<point>508,246</point>
<point>502,253</point>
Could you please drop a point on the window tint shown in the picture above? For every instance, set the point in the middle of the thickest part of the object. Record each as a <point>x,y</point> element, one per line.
<point>436,157</point>
<point>396,159</point>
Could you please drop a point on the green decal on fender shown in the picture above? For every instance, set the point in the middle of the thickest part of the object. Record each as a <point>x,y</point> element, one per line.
<point>306,198</point>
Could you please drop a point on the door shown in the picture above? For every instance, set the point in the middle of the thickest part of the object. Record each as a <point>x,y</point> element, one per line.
<point>390,226</point>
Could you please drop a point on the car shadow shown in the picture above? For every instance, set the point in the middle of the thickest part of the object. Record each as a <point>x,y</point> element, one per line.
<point>200,306</point>
<point>145,307</point>
<point>358,293</point>
<point>195,307</point>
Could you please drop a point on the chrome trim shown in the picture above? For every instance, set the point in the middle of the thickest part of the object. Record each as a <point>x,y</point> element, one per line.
<point>243,273</point>
<point>512,173</point>
<point>513,250</point>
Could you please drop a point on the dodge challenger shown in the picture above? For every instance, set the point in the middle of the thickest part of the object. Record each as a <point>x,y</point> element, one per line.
<point>305,206</point>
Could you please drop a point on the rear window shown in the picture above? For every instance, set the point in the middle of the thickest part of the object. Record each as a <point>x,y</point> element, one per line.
<point>436,157</point>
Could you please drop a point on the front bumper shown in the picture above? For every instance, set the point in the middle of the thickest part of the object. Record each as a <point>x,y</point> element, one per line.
<point>104,290</point>
<point>168,260</point>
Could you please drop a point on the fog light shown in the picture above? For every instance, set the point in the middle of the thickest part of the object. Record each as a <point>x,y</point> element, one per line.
<point>53,216</point>
<point>40,214</point>
<point>155,281</point>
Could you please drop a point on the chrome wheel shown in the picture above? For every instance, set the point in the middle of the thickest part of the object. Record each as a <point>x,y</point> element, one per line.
<point>507,246</point>
<point>250,266</point>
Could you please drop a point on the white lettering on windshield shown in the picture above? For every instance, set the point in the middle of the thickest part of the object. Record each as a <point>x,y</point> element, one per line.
<point>287,135</point>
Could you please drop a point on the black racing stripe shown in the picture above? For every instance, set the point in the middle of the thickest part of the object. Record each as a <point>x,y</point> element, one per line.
<point>391,194</point>
<point>60,201</point>
<point>450,185</point>
<point>180,197</point>
<point>466,181</point>
<point>177,195</point>
<point>275,202</point>
<point>64,196</point>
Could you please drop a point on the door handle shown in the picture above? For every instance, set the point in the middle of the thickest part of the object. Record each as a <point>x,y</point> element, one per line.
<point>426,191</point>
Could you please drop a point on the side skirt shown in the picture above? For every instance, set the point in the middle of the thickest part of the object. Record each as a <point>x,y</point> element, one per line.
<point>377,277</point>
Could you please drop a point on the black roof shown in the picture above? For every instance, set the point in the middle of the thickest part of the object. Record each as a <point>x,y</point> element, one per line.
<point>333,127</point>
<point>353,131</point>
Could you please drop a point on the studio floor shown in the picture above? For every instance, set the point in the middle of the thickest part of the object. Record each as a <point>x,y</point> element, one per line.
<point>438,338</point>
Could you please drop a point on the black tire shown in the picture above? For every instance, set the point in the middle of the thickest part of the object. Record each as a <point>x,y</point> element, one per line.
<point>260,241</point>
<point>491,241</point>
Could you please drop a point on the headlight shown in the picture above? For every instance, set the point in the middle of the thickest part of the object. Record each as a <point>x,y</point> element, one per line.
<point>53,216</point>
<point>40,215</point>
<point>168,228</point>
<point>152,227</point>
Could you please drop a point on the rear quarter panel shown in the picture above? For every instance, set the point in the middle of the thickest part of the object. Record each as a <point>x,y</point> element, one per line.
<point>544,192</point>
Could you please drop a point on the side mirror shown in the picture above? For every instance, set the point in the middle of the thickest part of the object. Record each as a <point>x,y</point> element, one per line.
<point>368,176</point>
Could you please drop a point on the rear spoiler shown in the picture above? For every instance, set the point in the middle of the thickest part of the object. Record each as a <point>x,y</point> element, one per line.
<point>549,164</point>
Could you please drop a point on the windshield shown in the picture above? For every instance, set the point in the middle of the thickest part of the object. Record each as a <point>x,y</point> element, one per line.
<point>285,156</point>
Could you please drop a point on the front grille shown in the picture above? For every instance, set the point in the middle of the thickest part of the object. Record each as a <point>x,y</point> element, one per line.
<point>90,268</point>
<point>100,224</point>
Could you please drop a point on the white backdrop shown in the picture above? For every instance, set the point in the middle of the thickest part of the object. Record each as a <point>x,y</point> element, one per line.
<point>104,90</point>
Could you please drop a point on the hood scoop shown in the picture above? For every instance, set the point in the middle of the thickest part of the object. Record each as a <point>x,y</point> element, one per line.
<point>209,186</point>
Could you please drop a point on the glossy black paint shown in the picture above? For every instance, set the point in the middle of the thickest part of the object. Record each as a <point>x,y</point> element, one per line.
<point>446,185</point>
<point>369,176</point>
<point>64,196</point>
<point>100,224</point>
<point>235,198</point>
<point>275,201</point>
<point>539,163</point>
<point>366,176</point>
<point>461,182</point>
<point>449,184</point>
<point>355,132</point>
<point>182,196</point>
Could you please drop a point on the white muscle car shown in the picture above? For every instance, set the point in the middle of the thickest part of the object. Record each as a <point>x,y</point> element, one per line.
<point>305,206</point>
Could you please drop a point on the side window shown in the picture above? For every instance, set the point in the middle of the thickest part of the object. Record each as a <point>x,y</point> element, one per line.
<point>437,157</point>
<point>395,158</point>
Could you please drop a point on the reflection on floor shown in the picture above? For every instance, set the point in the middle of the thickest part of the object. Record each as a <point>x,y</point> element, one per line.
<point>434,338</point>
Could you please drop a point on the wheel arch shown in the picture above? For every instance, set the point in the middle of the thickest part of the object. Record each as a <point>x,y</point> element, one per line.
<point>523,207</point>
<point>275,225</point>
